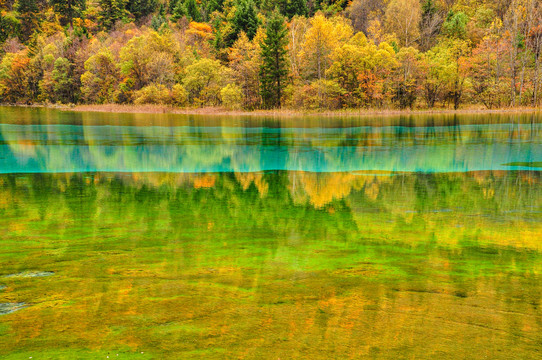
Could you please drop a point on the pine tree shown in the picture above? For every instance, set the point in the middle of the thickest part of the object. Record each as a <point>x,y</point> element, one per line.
<point>274,68</point>
<point>291,8</point>
<point>69,9</point>
<point>142,8</point>
<point>192,10</point>
<point>245,19</point>
<point>29,17</point>
<point>111,12</point>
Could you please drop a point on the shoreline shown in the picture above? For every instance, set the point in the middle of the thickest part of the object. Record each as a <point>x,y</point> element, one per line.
<point>219,111</point>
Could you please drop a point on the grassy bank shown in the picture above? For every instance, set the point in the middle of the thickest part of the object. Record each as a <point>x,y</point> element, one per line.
<point>220,111</point>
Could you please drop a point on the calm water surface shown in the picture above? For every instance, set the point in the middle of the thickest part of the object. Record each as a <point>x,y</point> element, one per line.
<point>171,237</point>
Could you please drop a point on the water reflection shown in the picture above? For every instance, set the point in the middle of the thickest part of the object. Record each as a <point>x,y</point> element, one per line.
<point>334,260</point>
<point>197,148</point>
<point>372,263</point>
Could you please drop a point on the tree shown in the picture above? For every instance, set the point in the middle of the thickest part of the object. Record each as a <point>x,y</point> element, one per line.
<point>244,60</point>
<point>535,45</point>
<point>63,80</point>
<point>455,26</point>
<point>232,97</point>
<point>111,12</point>
<point>407,77</point>
<point>297,28</point>
<point>14,77</point>
<point>69,9</point>
<point>362,69</point>
<point>274,68</point>
<point>203,80</point>
<point>488,71</point>
<point>321,39</point>
<point>192,10</point>
<point>29,16</point>
<point>403,18</point>
<point>291,8</point>
<point>101,78</point>
<point>142,8</point>
<point>244,19</point>
<point>450,68</point>
<point>361,12</point>
<point>10,26</point>
<point>430,24</point>
<point>147,59</point>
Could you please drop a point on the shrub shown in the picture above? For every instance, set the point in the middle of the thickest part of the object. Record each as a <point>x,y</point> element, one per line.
<point>320,94</point>
<point>152,94</point>
<point>232,96</point>
<point>179,95</point>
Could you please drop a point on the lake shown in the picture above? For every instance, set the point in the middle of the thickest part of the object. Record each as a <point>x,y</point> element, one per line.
<point>161,236</point>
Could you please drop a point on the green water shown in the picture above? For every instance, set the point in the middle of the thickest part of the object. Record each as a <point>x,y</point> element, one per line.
<point>169,237</point>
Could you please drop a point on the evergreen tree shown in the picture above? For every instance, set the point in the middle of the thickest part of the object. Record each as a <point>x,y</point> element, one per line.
<point>111,12</point>
<point>69,9</point>
<point>214,5</point>
<point>245,19</point>
<point>291,8</point>
<point>172,4</point>
<point>29,17</point>
<point>192,10</point>
<point>142,8</point>
<point>178,11</point>
<point>274,68</point>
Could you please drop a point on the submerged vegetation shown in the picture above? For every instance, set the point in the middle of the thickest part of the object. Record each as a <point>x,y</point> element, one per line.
<point>202,266</point>
<point>252,54</point>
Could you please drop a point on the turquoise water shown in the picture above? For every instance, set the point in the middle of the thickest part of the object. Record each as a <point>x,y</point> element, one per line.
<point>189,149</point>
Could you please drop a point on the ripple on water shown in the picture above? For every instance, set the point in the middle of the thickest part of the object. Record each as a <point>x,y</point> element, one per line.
<point>30,274</point>
<point>8,308</point>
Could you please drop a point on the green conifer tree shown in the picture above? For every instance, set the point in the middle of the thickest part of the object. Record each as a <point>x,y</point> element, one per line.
<point>111,12</point>
<point>29,17</point>
<point>142,8</point>
<point>245,19</point>
<point>291,8</point>
<point>192,10</point>
<point>69,9</point>
<point>274,68</point>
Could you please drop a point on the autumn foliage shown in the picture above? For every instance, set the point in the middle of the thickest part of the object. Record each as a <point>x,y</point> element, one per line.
<point>332,54</point>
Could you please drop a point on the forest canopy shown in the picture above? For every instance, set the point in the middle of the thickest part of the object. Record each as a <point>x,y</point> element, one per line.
<point>252,54</point>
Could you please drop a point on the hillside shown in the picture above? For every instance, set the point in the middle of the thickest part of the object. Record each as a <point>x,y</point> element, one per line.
<point>254,54</point>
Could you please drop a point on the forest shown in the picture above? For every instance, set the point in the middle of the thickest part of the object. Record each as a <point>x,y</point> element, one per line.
<point>263,54</point>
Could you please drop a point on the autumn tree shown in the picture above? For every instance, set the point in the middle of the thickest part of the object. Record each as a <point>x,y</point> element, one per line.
<point>534,42</point>
<point>100,81</point>
<point>204,79</point>
<point>362,69</point>
<point>274,68</point>
<point>244,57</point>
<point>451,69</point>
<point>362,12</point>
<point>14,77</point>
<point>147,59</point>
<point>10,26</point>
<point>488,77</point>
<point>430,24</point>
<point>403,18</point>
<point>323,36</point>
<point>407,76</point>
